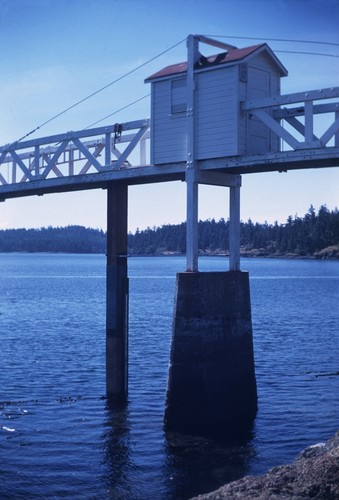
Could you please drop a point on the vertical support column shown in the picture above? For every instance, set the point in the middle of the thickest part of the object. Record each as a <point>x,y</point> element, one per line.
<point>192,221</point>
<point>117,294</point>
<point>234,235</point>
<point>191,166</point>
<point>336,135</point>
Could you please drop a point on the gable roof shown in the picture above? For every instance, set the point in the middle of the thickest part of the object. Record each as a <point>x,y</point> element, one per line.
<point>223,58</point>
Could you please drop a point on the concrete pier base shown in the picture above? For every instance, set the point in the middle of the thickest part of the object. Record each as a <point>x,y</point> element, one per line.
<point>212,387</point>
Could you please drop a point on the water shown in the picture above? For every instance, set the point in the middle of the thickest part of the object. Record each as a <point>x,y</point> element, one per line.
<point>59,439</point>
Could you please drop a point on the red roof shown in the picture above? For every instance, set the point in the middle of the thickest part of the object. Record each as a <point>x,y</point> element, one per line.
<point>222,58</point>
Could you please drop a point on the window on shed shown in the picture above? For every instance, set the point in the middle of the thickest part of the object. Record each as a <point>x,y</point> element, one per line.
<point>178,96</point>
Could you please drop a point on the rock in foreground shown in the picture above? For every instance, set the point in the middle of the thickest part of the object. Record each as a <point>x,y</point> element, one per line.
<point>314,475</point>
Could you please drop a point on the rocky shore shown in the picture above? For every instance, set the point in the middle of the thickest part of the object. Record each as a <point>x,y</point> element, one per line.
<point>328,253</point>
<point>314,475</point>
<point>331,253</point>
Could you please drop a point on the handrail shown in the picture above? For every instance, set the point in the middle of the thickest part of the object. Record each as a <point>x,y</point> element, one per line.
<point>268,112</point>
<point>67,154</point>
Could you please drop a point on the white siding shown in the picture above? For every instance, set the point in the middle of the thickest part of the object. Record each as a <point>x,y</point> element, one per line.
<point>222,130</point>
<point>263,81</point>
<point>168,131</point>
<point>217,113</point>
<point>242,126</point>
<point>178,96</point>
<point>258,88</point>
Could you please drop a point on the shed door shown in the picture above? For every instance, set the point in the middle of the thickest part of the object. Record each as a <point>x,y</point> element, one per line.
<point>258,133</point>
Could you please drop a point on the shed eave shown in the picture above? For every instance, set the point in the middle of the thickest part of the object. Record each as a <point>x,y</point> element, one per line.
<point>173,71</point>
<point>166,77</point>
<point>266,48</point>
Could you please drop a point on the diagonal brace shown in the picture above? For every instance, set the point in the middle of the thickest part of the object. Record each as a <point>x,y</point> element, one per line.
<point>330,132</point>
<point>277,128</point>
<point>300,127</point>
<point>21,164</point>
<point>51,163</point>
<point>88,164</point>
<point>3,180</point>
<point>87,154</point>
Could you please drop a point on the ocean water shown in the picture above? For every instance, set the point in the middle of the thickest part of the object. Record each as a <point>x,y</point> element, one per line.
<point>58,438</point>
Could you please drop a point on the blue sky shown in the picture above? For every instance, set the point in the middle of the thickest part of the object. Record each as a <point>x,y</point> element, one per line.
<point>56,52</point>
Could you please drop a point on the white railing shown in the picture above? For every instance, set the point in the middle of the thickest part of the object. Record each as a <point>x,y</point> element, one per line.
<point>75,153</point>
<point>300,117</point>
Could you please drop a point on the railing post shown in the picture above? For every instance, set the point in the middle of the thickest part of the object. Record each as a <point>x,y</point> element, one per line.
<point>142,151</point>
<point>108,149</point>
<point>71,161</point>
<point>308,123</point>
<point>36,160</point>
<point>13,172</point>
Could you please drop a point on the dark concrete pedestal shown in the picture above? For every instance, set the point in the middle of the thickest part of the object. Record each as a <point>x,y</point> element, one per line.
<point>212,387</point>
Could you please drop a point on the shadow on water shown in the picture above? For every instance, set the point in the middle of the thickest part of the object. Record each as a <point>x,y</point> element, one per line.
<point>183,466</point>
<point>117,452</point>
<point>211,462</point>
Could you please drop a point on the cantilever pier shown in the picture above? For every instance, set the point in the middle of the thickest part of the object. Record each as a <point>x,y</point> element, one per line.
<point>213,119</point>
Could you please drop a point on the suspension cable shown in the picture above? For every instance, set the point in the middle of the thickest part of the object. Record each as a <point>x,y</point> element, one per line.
<point>117,111</point>
<point>101,89</point>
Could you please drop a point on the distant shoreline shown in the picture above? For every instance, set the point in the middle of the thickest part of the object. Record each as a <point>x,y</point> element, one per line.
<point>314,236</point>
<point>330,253</point>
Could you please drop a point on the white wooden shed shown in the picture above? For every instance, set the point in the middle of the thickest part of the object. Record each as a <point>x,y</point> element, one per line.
<point>221,82</point>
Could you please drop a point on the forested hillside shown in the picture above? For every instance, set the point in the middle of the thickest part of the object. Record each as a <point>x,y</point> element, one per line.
<point>70,239</point>
<point>314,235</point>
<point>300,236</point>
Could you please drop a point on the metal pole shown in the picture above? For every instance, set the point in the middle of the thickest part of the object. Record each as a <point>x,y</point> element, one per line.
<point>117,294</point>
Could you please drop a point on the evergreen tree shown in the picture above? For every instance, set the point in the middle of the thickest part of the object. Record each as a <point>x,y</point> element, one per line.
<point>302,236</point>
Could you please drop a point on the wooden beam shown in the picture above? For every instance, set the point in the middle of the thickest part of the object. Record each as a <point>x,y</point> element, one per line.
<point>215,43</point>
<point>284,113</point>
<point>311,95</point>
<point>218,178</point>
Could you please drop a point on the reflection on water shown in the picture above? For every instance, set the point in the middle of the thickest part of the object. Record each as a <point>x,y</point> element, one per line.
<point>188,456</point>
<point>116,453</point>
<point>210,462</point>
